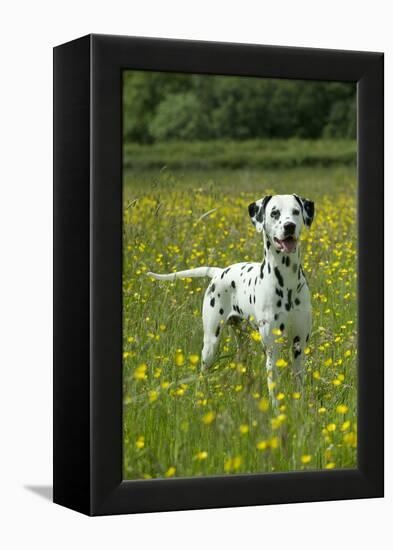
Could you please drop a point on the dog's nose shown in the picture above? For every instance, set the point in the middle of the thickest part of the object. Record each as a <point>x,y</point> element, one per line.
<point>289,228</point>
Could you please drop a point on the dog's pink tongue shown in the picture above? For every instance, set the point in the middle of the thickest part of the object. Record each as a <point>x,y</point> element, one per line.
<point>289,245</point>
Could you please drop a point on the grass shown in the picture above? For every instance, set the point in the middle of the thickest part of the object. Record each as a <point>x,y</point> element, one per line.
<point>258,153</point>
<point>178,422</point>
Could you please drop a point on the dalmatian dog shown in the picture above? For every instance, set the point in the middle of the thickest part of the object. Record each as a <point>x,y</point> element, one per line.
<point>273,295</point>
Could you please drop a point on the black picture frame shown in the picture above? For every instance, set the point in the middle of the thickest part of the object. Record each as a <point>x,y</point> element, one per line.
<point>88,274</point>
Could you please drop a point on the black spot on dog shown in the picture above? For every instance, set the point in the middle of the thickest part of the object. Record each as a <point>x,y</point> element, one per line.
<point>254,299</point>
<point>294,268</point>
<point>212,302</point>
<point>217,331</point>
<point>250,299</point>
<point>225,272</point>
<point>297,301</point>
<point>221,311</point>
<point>243,267</point>
<point>262,266</point>
<point>268,267</point>
<point>233,285</point>
<point>279,303</point>
<point>282,327</point>
<point>256,278</point>
<point>299,287</point>
<point>250,268</point>
<point>218,295</point>
<point>298,273</point>
<point>249,282</point>
<point>279,293</point>
<point>308,336</point>
<point>305,278</point>
<point>283,260</point>
<point>213,287</point>
<point>287,261</point>
<point>275,316</point>
<point>279,276</point>
<point>289,304</point>
<point>268,243</point>
<point>296,347</point>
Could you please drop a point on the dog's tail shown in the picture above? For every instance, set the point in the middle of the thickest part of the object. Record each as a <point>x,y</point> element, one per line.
<point>197,272</point>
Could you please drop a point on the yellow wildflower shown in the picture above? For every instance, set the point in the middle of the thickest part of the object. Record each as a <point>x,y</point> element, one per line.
<point>208,417</point>
<point>201,455</point>
<point>140,372</point>
<point>194,359</point>
<point>263,404</point>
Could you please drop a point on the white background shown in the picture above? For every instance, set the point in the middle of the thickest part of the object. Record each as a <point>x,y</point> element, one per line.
<point>28,31</point>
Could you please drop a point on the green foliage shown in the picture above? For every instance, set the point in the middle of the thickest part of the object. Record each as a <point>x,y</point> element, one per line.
<point>168,106</point>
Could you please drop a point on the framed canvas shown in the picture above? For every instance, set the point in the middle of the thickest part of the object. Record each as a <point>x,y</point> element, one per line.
<point>175,160</point>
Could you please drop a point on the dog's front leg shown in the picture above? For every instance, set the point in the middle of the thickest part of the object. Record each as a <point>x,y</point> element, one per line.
<point>271,370</point>
<point>298,346</point>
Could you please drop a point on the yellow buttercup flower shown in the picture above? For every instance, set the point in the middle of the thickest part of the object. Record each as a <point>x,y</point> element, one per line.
<point>179,359</point>
<point>170,471</point>
<point>345,426</point>
<point>201,455</point>
<point>331,427</point>
<point>194,359</point>
<point>263,404</point>
<point>209,417</point>
<point>140,442</point>
<point>255,335</point>
<point>342,409</point>
<point>153,396</point>
<point>281,363</point>
<point>140,372</point>
<point>306,459</point>
<point>244,429</point>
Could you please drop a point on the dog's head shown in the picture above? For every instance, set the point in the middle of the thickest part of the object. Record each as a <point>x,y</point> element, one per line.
<point>282,218</point>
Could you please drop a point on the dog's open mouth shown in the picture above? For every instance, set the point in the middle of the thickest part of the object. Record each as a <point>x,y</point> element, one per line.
<point>287,245</point>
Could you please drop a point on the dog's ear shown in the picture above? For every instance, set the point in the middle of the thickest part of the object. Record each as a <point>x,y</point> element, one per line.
<point>257,212</point>
<point>307,208</point>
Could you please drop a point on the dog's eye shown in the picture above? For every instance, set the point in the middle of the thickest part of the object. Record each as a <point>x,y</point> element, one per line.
<point>295,212</point>
<point>275,214</point>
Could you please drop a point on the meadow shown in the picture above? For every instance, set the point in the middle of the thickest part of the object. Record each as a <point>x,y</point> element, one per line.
<point>180,422</point>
